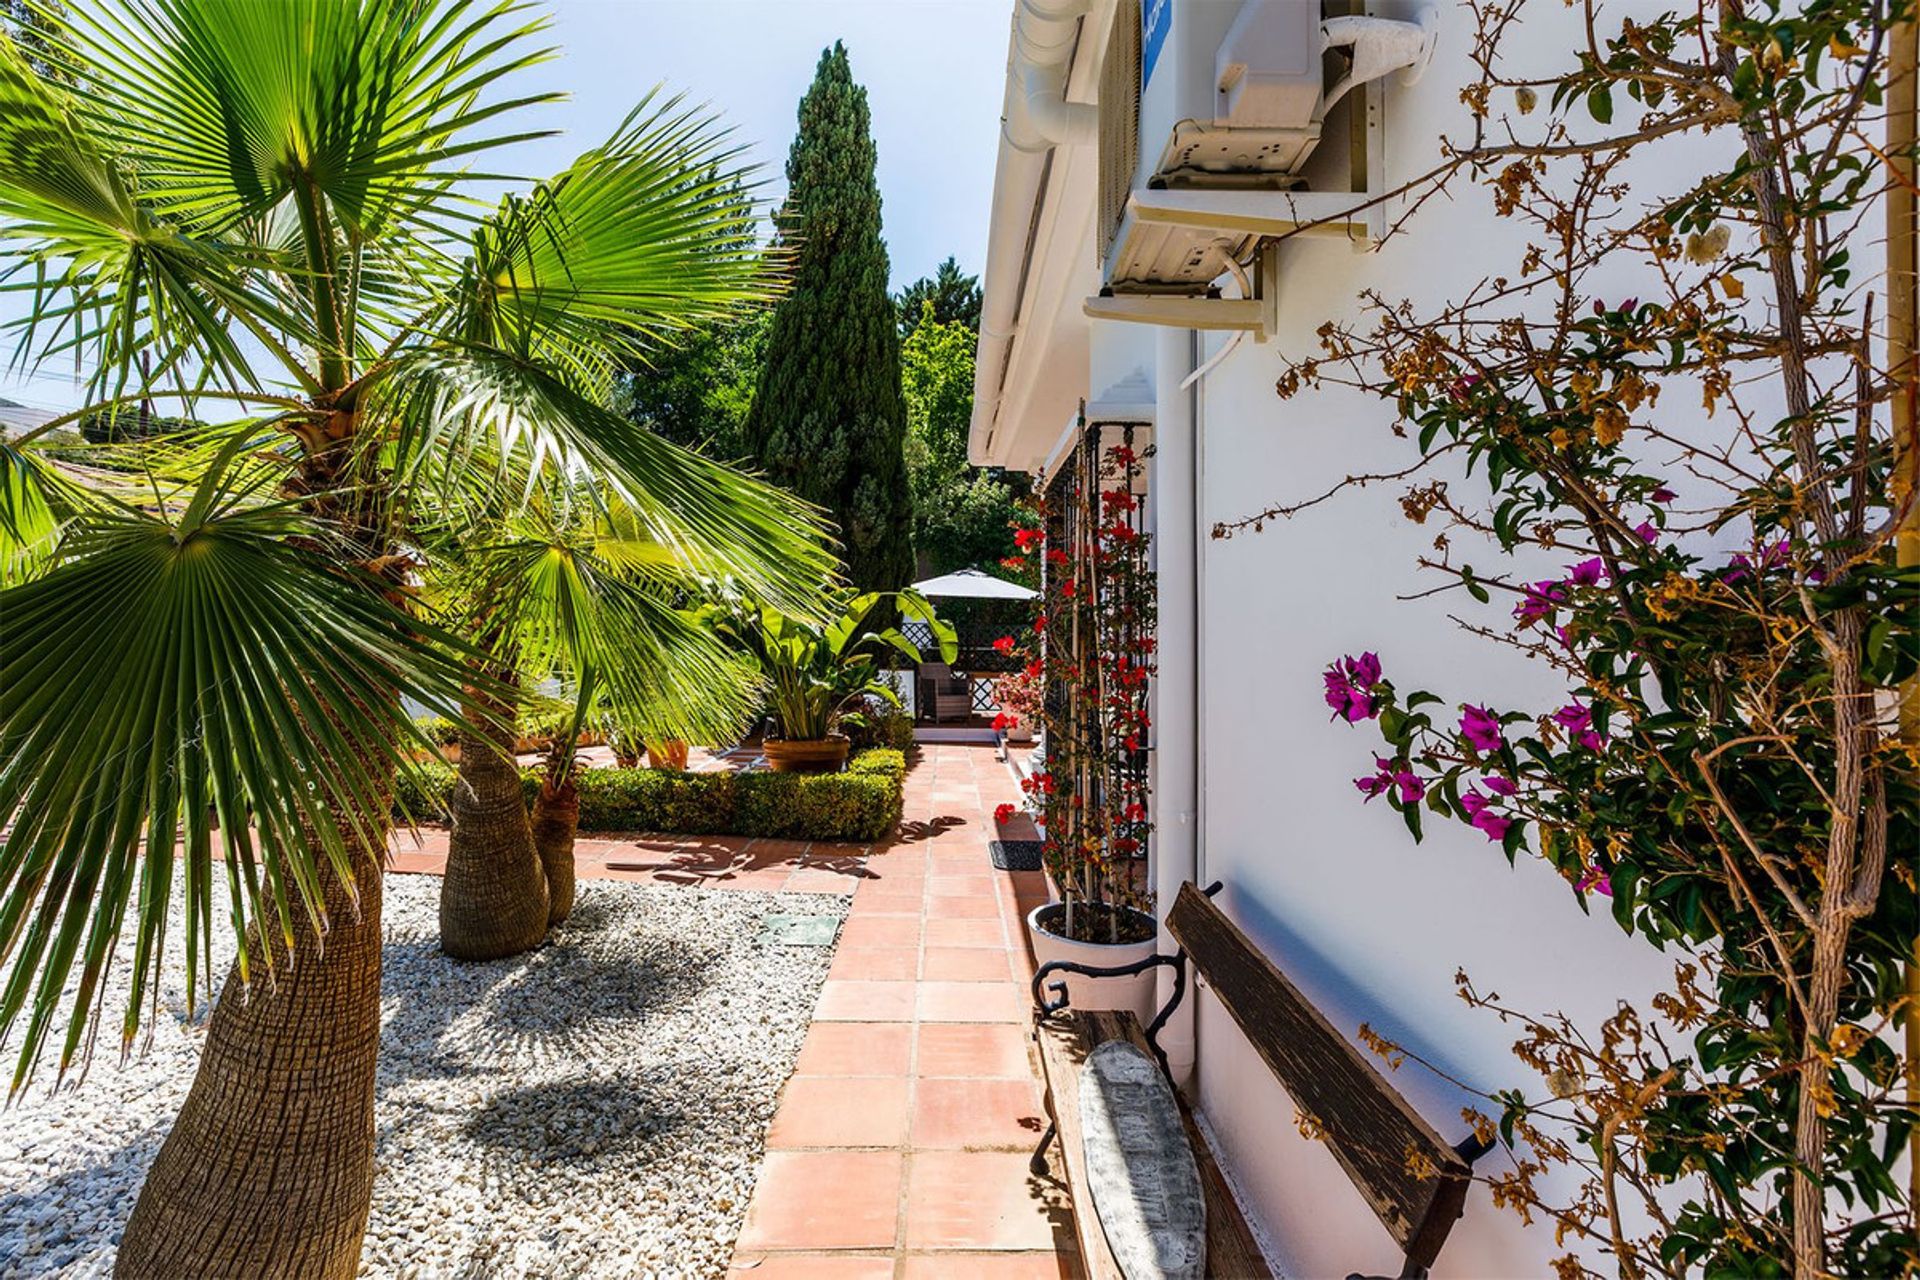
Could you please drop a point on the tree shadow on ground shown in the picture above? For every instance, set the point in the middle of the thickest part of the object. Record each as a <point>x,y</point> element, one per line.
<point>915,832</point>
<point>579,1120</point>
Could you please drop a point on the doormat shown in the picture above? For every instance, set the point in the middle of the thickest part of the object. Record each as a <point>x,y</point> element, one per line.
<point>1015,855</point>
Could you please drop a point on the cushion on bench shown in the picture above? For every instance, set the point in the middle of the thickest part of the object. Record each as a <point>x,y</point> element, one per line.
<point>1141,1173</point>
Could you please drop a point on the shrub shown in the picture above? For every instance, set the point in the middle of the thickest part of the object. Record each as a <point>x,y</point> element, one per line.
<point>861,804</point>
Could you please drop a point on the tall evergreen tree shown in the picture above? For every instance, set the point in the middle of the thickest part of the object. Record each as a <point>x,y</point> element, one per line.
<point>954,294</point>
<point>828,419</point>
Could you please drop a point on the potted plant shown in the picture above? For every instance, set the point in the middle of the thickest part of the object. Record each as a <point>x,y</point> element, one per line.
<point>1019,695</point>
<point>1093,629</point>
<point>816,670</point>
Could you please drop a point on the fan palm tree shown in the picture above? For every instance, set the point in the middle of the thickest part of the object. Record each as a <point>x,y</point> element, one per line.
<point>261,212</point>
<point>583,598</point>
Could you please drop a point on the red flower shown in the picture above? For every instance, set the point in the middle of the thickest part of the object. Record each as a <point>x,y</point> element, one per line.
<point>1003,646</point>
<point>1040,625</point>
<point>1136,812</point>
<point>1036,669</point>
<point>1004,814</point>
<point>1028,539</point>
<point>1004,722</point>
<point>1056,556</point>
<point>1012,562</point>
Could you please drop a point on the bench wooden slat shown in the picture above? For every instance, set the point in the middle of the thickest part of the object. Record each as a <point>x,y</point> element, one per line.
<point>1064,1041</point>
<point>1375,1134</point>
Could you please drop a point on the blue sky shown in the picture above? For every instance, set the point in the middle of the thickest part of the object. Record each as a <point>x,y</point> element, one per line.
<point>933,71</point>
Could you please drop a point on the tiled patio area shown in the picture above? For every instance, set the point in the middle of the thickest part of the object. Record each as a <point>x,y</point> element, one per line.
<point>900,1146</point>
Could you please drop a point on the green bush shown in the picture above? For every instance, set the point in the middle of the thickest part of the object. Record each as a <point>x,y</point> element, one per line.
<point>879,726</point>
<point>860,804</point>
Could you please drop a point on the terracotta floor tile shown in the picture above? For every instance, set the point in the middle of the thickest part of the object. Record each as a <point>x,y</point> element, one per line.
<point>883,964</point>
<point>865,1001</point>
<point>971,906</point>
<point>823,1266</point>
<point>832,1111</point>
<point>972,1002</point>
<point>982,1200</point>
<point>952,885</point>
<point>964,964</point>
<point>973,1114</point>
<point>979,1049</point>
<point>856,1049</point>
<point>966,933</point>
<point>817,880</point>
<point>1045,1265</point>
<point>876,930</point>
<point>791,1208</point>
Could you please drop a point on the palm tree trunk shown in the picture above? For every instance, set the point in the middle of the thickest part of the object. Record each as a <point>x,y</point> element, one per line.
<point>556,817</point>
<point>493,898</point>
<point>268,1170</point>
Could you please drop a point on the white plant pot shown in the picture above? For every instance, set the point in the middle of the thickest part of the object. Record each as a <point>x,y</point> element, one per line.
<point>1135,993</point>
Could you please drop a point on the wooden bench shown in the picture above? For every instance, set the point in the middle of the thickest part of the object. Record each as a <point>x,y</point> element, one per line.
<point>1415,1182</point>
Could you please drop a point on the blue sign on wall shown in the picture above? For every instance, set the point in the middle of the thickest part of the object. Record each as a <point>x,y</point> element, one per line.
<point>1156,16</point>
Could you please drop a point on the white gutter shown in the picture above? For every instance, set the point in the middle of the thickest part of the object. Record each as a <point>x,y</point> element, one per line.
<point>1035,117</point>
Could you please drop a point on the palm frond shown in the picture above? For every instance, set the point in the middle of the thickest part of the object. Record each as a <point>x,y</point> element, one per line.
<point>179,680</point>
<point>635,243</point>
<point>454,413</point>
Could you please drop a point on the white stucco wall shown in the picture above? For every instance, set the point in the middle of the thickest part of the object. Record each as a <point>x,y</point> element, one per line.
<point>1370,925</point>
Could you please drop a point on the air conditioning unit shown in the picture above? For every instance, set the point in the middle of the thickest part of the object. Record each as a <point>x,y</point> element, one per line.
<point>1229,154</point>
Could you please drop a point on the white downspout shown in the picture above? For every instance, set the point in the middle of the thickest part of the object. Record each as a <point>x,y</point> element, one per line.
<point>1034,118</point>
<point>1176,790</point>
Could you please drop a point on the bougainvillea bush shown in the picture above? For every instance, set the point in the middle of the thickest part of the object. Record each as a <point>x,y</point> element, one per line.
<point>1090,646</point>
<point>1708,465</point>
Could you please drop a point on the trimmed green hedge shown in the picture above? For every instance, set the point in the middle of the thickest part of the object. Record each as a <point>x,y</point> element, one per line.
<point>861,804</point>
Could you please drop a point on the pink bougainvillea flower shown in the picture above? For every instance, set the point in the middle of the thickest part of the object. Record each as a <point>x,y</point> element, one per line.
<point>1004,814</point>
<point>1596,881</point>
<point>1349,687</point>
<point>1647,532</point>
<point>1498,785</point>
<point>1578,722</point>
<point>1588,573</point>
<point>1479,811</point>
<point>1663,495</point>
<point>1392,776</point>
<point>1481,728</point>
<point>1540,599</point>
<point>1003,646</point>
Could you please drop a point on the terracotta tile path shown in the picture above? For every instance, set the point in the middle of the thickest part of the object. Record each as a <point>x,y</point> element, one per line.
<point>899,1150</point>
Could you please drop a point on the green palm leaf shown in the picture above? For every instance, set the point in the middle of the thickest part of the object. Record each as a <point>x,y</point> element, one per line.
<point>456,408</point>
<point>172,672</point>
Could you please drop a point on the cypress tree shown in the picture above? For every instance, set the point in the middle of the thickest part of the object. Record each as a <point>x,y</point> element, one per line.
<point>828,419</point>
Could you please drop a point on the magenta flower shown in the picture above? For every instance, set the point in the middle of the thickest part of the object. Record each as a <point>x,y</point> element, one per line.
<point>1481,728</point>
<point>1578,722</point>
<point>1596,881</point>
<point>1401,778</point>
<point>1540,599</point>
<point>1350,686</point>
<point>1498,785</point>
<point>1648,534</point>
<point>1588,573</point>
<point>1479,811</point>
<point>1664,495</point>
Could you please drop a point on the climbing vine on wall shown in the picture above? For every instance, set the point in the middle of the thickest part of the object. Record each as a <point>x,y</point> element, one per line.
<point>1091,642</point>
<point>1687,491</point>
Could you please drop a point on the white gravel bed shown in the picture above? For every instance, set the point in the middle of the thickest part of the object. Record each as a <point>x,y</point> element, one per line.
<point>595,1108</point>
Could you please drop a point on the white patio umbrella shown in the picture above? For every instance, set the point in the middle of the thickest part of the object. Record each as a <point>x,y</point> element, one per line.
<point>972,584</point>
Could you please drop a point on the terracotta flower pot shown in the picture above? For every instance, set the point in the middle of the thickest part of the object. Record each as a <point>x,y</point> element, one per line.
<point>1135,993</point>
<point>667,755</point>
<point>807,755</point>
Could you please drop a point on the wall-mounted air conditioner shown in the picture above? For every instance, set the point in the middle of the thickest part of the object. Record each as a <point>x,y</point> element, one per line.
<point>1206,138</point>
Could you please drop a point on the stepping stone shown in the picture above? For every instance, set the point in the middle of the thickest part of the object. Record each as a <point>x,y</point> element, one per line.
<point>785,930</point>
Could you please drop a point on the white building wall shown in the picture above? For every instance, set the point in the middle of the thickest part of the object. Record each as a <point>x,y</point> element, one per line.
<point>1371,926</point>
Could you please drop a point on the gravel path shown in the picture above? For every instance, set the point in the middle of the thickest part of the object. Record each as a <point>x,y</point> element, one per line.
<point>595,1108</point>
